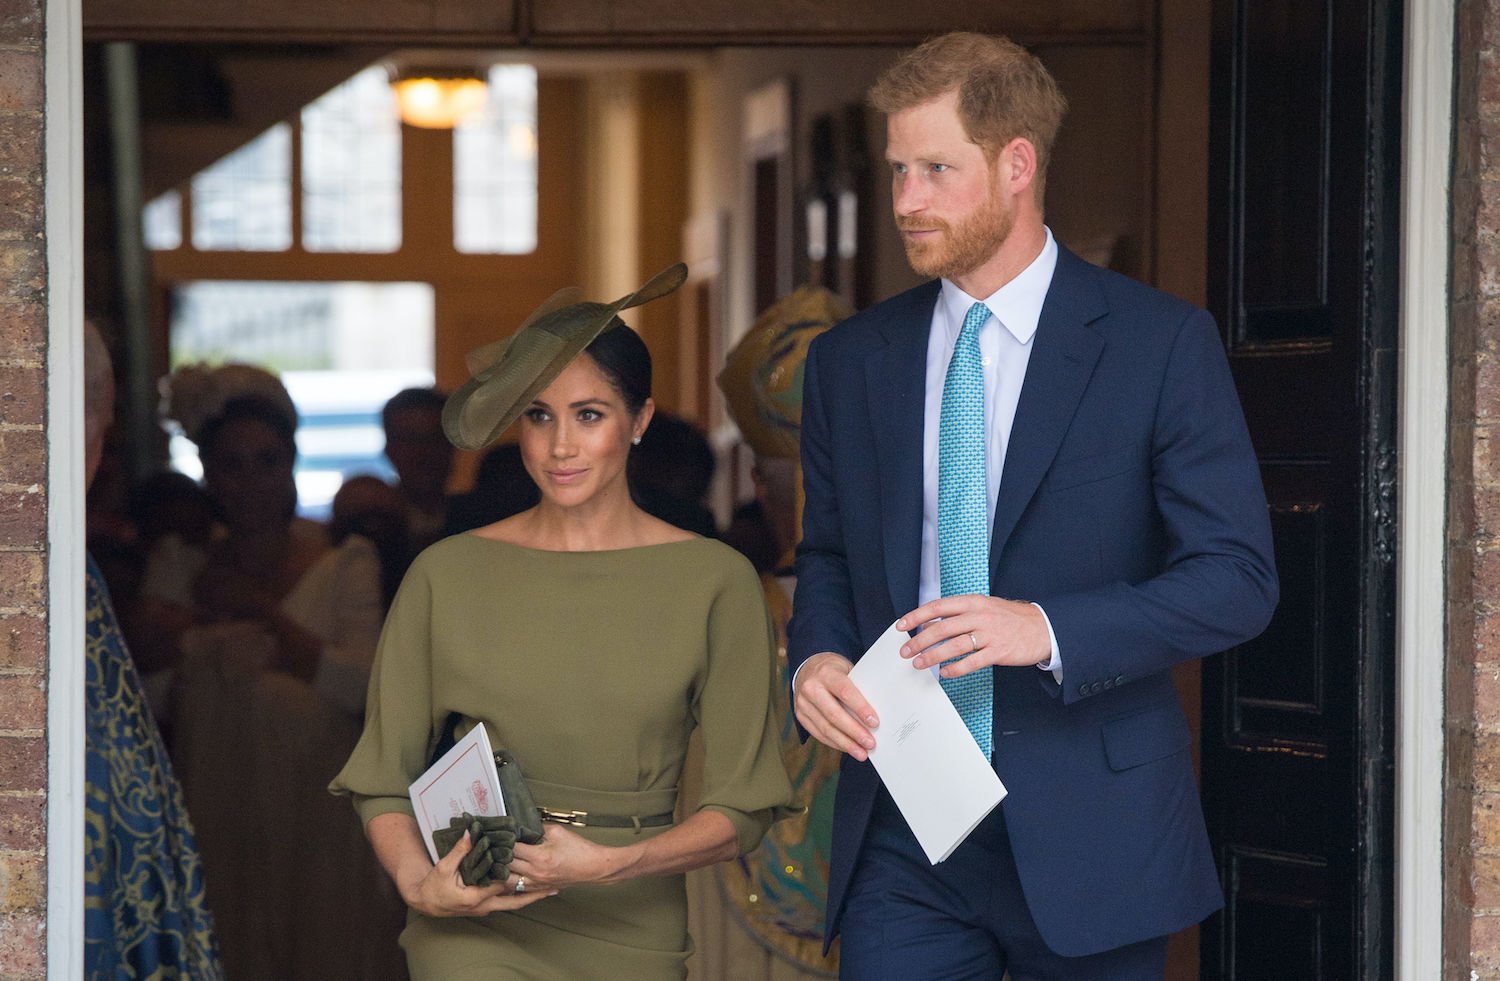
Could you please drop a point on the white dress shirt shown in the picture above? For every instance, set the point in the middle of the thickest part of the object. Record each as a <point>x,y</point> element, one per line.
<point>1018,307</point>
<point>1005,343</point>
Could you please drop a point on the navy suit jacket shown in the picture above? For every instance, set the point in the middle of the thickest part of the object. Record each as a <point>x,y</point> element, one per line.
<point>1130,508</point>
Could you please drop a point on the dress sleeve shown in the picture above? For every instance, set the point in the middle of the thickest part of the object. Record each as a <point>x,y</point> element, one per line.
<point>744,777</point>
<point>393,747</point>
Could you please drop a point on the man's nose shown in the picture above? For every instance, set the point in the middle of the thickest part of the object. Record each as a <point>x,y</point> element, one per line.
<point>908,196</point>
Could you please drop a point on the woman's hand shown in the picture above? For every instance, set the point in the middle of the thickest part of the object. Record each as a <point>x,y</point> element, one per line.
<point>441,892</point>
<point>565,858</point>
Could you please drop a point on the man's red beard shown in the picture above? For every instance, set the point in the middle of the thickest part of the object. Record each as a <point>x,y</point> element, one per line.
<point>960,248</point>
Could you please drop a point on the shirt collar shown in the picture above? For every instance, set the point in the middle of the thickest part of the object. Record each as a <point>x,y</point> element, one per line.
<point>1017,304</point>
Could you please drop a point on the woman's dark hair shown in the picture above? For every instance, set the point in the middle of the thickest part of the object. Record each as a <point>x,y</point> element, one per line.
<point>622,356</point>
<point>254,408</point>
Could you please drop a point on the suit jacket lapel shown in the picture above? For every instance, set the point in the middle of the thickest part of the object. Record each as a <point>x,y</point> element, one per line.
<point>895,379</point>
<point>1062,360</point>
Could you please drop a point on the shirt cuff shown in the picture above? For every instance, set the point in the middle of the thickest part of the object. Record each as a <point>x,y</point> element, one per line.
<point>1054,663</point>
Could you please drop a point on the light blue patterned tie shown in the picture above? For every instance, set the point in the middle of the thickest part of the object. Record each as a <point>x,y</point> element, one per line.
<point>963,513</point>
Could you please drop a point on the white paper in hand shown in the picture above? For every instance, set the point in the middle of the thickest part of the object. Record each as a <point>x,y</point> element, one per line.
<point>462,779</point>
<point>935,772</point>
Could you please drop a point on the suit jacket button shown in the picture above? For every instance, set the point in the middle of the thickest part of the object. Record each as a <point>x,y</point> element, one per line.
<point>1083,689</point>
<point>1109,683</point>
<point>1094,688</point>
<point>1120,680</point>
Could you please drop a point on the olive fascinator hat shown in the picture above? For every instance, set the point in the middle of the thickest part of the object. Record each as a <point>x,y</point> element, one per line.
<point>506,375</point>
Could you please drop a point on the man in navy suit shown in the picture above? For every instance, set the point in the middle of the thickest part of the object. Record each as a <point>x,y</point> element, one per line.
<point>1115,523</point>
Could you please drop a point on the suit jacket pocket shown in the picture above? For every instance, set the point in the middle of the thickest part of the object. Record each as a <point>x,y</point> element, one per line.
<point>1087,470</point>
<point>1150,735</point>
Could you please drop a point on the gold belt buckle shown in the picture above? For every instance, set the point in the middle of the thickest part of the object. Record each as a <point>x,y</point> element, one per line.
<point>578,819</point>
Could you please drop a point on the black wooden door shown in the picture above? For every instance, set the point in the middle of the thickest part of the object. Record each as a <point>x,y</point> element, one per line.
<point>1297,725</point>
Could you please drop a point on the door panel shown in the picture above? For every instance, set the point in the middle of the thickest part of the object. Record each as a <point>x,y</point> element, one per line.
<point>1296,735</point>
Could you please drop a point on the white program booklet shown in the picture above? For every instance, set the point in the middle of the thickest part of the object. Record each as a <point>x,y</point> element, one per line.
<point>937,775</point>
<point>462,779</point>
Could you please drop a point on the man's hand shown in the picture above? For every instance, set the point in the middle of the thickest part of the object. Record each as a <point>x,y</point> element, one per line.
<point>831,708</point>
<point>983,630</point>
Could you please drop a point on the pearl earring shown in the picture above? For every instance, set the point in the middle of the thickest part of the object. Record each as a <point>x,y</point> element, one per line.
<point>635,441</point>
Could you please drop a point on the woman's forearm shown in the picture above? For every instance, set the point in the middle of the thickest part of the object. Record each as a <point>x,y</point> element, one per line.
<point>397,842</point>
<point>705,838</point>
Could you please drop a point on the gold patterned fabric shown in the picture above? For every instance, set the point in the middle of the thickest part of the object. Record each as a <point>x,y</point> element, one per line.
<point>762,377</point>
<point>144,913</point>
<point>761,916</point>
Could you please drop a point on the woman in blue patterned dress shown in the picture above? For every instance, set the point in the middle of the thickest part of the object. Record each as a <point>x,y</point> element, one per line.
<point>144,914</point>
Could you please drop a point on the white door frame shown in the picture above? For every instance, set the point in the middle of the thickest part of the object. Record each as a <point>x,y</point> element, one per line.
<point>66,487</point>
<point>1422,416</point>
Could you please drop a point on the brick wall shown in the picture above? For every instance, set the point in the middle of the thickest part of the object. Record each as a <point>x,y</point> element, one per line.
<point>23,476</point>
<point>1472,792</point>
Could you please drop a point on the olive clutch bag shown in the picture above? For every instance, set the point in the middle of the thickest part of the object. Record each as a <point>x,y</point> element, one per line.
<point>493,838</point>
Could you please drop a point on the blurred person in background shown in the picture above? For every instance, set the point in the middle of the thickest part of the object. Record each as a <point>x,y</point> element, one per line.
<point>164,503</point>
<point>171,503</point>
<point>423,458</point>
<point>271,630</point>
<point>367,506</point>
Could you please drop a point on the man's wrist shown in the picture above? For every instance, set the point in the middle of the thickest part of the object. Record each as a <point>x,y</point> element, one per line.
<point>1053,661</point>
<point>797,675</point>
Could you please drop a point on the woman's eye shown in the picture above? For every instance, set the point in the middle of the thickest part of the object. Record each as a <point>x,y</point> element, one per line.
<point>536,415</point>
<point>590,415</point>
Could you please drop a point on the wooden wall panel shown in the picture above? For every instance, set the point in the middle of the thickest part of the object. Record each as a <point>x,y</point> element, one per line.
<point>730,21</point>
<point>563,23</point>
<point>292,21</point>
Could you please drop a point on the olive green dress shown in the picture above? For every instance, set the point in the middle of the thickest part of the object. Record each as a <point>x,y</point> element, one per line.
<point>592,668</point>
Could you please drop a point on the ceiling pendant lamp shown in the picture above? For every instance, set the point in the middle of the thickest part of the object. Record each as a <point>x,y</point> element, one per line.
<point>433,98</point>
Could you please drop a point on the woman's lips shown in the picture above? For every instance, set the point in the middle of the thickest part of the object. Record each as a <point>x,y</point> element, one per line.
<point>565,476</point>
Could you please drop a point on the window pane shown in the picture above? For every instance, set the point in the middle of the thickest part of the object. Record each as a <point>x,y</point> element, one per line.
<point>494,168</point>
<point>161,222</point>
<point>341,349</point>
<point>244,201</point>
<point>351,168</point>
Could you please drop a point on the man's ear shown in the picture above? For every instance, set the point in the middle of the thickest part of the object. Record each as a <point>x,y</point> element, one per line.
<point>1017,163</point>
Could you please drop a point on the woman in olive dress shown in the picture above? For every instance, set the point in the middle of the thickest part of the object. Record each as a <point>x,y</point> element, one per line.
<point>590,639</point>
